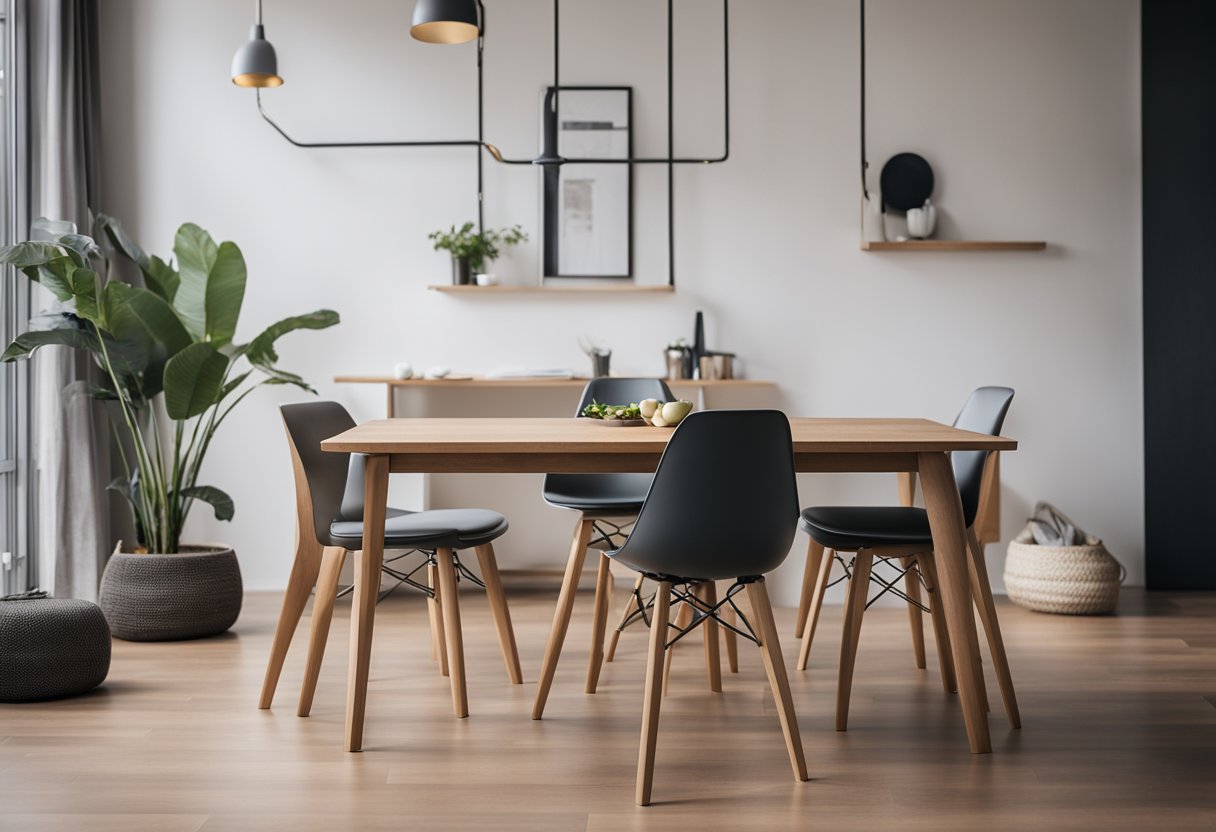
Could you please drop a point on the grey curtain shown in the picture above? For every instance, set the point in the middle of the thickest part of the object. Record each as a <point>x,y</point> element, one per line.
<point>72,431</point>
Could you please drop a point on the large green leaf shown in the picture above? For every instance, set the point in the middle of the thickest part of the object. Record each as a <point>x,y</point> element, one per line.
<point>159,276</point>
<point>193,380</point>
<point>212,286</point>
<point>80,248</point>
<point>146,332</point>
<point>221,502</point>
<point>24,345</point>
<point>86,292</point>
<point>45,263</point>
<point>262,354</point>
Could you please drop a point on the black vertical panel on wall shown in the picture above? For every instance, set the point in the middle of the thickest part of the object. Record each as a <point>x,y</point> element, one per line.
<point>1178,74</point>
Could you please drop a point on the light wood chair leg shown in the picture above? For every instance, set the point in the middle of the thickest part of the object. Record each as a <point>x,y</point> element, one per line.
<point>599,623</point>
<point>367,591</point>
<point>810,572</point>
<point>439,642</point>
<point>982,590</point>
<point>915,621</point>
<point>628,608</point>
<point>731,640</point>
<point>450,604</point>
<point>502,615</point>
<point>818,591</point>
<point>683,619</point>
<point>945,654</point>
<point>561,615</point>
<point>708,592</point>
<point>774,665</point>
<point>854,611</point>
<point>655,661</point>
<point>322,617</point>
<point>304,570</point>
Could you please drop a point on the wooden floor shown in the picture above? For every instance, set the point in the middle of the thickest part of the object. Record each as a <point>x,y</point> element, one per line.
<point>1119,713</point>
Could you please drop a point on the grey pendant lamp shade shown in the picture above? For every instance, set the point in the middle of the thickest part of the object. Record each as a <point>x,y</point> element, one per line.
<point>255,64</point>
<point>445,21</point>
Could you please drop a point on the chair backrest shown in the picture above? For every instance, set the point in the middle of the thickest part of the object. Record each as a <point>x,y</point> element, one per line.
<point>321,476</point>
<point>984,412</point>
<point>609,391</point>
<point>623,391</point>
<point>723,502</point>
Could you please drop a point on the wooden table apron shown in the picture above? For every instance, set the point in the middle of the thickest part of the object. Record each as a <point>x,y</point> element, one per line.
<point>578,446</point>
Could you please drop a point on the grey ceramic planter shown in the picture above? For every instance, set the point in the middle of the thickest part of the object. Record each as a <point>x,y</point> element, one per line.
<point>193,594</point>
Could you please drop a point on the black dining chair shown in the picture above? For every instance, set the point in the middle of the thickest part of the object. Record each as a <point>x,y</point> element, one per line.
<point>606,505</point>
<point>329,504</point>
<point>723,506</point>
<point>900,536</point>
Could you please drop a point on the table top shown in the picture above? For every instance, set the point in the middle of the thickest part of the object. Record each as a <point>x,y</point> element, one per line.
<point>537,381</point>
<point>586,436</point>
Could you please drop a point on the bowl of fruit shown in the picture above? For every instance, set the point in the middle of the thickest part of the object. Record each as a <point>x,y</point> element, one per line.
<point>615,415</point>
<point>664,414</point>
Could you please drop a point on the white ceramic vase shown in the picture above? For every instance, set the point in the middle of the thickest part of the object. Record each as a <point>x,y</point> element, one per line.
<point>922,221</point>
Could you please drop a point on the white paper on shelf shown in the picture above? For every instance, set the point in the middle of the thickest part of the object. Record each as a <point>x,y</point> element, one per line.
<point>530,372</point>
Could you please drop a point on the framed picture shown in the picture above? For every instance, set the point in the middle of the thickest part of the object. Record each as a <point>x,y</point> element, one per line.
<point>587,213</point>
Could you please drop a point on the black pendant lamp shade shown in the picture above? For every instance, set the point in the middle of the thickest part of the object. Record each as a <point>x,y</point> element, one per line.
<point>445,21</point>
<point>255,64</point>
<point>548,144</point>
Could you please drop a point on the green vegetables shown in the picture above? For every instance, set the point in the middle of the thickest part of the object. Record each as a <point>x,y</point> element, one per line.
<point>596,410</point>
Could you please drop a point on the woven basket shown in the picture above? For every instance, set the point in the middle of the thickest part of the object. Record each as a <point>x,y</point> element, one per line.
<point>1067,580</point>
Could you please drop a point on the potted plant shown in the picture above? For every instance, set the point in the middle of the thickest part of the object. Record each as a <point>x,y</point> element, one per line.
<point>173,374</point>
<point>471,251</point>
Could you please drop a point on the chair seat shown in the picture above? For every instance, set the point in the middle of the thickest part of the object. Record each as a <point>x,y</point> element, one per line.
<point>598,493</point>
<point>850,528</point>
<point>460,528</point>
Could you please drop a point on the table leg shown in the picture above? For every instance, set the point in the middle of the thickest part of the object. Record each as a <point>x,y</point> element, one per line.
<point>950,553</point>
<point>367,588</point>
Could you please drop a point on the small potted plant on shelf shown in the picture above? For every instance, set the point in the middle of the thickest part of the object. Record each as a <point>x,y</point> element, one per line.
<point>471,251</point>
<point>172,373</point>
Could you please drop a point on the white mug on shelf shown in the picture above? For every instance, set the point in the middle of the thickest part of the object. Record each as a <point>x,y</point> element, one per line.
<point>487,280</point>
<point>922,221</point>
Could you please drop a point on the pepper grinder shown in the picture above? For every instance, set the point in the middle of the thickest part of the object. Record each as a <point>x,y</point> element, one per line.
<point>698,344</point>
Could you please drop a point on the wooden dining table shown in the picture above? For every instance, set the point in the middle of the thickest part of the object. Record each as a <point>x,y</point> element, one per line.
<point>538,445</point>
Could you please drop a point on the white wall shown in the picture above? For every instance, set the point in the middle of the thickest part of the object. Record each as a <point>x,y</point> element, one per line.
<point>1028,109</point>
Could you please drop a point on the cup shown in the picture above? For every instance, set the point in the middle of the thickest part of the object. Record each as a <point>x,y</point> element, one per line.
<point>599,363</point>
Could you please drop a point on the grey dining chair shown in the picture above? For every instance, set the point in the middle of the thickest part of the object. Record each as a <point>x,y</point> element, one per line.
<point>901,534</point>
<point>606,505</point>
<point>723,506</point>
<point>329,503</point>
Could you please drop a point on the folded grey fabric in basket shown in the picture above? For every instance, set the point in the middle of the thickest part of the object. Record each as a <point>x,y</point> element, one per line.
<point>1051,527</point>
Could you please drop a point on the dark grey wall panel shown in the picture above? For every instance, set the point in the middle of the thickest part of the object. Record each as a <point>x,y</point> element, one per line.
<point>1179,132</point>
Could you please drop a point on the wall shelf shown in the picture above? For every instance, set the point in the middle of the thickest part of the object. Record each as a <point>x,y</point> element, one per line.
<point>955,245</point>
<point>593,288</point>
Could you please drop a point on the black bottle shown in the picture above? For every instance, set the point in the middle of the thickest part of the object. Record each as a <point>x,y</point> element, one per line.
<point>698,344</point>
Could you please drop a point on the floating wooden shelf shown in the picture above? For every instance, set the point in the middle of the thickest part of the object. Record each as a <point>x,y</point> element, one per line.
<point>955,245</point>
<point>591,288</point>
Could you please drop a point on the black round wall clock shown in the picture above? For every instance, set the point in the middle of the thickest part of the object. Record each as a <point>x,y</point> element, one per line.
<point>906,181</point>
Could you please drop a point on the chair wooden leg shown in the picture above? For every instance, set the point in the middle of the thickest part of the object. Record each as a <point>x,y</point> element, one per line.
<point>774,665</point>
<point>439,642</point>
<point>599,623</point>
<point>303,578</point>
<point>915,621</point>
<point>367,591</point>
<point>708,592</point>
<point>945,655</point>
<point>502,615</point>
<point>628,608</point>
<point>731,640</point>
<point>653,697</point>
<point>810,572</point>
<point>982,590</point>
<point>854,611</point>
<point>819,590</point>
<point>450,604</point>
<point>683,619</point>
<point>561,615</point>
<point>322,617</point>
